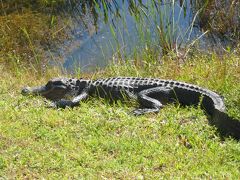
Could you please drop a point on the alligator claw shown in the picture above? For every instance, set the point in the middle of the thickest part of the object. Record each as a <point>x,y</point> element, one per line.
<point>138,112</point>
<point>59,104</point>
<point>51,105</point>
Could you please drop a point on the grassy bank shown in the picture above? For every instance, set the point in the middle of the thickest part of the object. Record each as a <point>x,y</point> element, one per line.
<point>99,140</point>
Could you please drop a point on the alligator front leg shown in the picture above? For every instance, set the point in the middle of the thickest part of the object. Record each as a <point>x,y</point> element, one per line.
<point>63,103</point>
<point>152,100</point>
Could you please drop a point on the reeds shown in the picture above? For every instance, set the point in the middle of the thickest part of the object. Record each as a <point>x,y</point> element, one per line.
<point>158,24</point>
<point>160,30</point>
<point>221,18</point>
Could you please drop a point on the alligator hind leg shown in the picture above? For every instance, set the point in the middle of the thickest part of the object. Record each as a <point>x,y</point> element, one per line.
<point>152,100</point>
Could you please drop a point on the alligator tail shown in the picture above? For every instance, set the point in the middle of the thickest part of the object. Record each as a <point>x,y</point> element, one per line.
<point>226,125</point>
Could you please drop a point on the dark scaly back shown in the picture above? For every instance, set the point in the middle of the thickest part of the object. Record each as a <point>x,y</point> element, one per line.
<point>186,93</point>
<point>211,101</point>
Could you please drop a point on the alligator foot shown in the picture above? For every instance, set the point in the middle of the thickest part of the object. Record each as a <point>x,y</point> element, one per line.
<point>49,104</point>
<point>60,104</point>
<point>138,112</point>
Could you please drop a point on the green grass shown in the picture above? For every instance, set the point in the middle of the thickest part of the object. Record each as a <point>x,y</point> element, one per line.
<point>102,140</point>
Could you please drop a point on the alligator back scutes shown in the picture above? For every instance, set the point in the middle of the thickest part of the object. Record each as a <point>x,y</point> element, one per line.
<point>135,82</point>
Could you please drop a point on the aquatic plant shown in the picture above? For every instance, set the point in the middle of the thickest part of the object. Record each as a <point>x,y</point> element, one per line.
<point>221,18</point>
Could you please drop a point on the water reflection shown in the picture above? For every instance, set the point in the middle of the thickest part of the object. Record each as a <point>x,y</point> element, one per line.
<point>118,29</point>
<point>127,35</point>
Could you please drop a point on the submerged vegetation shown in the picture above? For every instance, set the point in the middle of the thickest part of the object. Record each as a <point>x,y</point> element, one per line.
<point>99,140</point>
<point>33,31</point>
<point>222,18</point>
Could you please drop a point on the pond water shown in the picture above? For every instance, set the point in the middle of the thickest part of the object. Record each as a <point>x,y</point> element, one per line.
<point>124,37</point>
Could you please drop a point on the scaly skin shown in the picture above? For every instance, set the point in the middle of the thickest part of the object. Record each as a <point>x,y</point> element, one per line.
<point>151,94</point>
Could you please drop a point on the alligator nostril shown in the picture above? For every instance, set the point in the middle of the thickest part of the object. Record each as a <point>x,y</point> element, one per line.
<point>25,91</point>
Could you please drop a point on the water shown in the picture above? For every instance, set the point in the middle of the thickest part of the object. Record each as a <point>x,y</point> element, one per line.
<point>121,38</point>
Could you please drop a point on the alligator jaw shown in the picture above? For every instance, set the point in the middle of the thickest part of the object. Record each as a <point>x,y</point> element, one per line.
<point>55,92</point>
<point>40,90</point>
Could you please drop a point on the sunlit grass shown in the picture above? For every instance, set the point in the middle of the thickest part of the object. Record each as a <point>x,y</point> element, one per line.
<point>102,140</point>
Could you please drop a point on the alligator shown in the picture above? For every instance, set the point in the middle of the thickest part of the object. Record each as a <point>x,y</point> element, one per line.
<point>151,94</point>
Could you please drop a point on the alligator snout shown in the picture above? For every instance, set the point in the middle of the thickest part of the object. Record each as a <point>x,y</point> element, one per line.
<point>40,90</point>
<point>25,91</point>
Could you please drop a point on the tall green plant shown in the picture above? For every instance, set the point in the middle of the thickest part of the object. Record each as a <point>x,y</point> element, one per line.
<point>221,18</point>
<point>161,27</point>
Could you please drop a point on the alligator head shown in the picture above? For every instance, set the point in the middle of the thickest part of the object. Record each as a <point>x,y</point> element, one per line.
<point>55,89</point>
